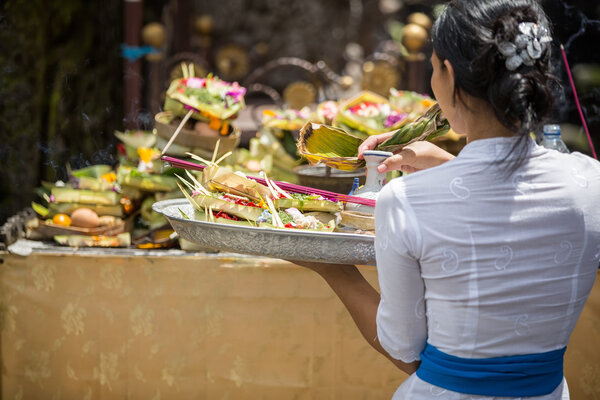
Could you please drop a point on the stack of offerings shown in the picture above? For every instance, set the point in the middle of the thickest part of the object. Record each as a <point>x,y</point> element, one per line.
<point>369,114</point>
<point>144,179</point>
<point>206,107</point>
<point>86,211</point>
<point>228,197</point>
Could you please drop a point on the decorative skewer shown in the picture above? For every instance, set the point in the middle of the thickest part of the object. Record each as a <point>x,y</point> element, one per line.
<point>179,128</point>
<point>283,185</point>
<point>587,132</point>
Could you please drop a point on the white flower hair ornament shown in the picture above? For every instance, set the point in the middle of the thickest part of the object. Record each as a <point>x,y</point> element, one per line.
<point>529,45</point>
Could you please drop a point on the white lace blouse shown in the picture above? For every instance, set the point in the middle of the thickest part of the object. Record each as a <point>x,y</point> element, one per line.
<point>485,266</point>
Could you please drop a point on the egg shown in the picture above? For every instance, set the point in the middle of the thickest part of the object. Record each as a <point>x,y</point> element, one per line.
<point>84,218</point>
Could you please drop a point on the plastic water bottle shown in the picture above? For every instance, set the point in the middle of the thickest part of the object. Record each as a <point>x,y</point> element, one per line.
<point>552,138</point>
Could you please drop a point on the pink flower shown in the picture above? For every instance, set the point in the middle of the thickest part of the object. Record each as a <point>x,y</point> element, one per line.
<point>196,83</point>
<point>393,119</point>
<point>237,92</point>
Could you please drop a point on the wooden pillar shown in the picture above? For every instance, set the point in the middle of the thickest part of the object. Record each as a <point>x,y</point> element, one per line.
<point>182,20</point>
<point>417,77</point>
<point>132,69</point>
<point>153,34</point>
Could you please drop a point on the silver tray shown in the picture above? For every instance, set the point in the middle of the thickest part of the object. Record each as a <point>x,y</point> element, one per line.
<point>327,247</point>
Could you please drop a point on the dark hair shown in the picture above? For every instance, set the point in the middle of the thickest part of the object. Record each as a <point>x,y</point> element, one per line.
<point>467,34</point>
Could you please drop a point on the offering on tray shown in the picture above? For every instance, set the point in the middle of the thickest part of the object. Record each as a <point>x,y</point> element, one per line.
<point>211,102</point>
<point>327,111</point>
<point>289,244</point>
<point>143,178</point>
<point>369,114</point>
<point>227,197</point>
<point>413,103</point>
<point>210,99</point>
<point>88,204</point>
<point>285,119</point>
<point>195,136</point>
<point>276,142</point>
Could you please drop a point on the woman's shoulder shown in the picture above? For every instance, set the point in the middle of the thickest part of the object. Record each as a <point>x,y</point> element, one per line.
<point>585,161</point>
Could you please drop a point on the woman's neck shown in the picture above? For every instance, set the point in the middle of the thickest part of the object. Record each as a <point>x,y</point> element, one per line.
<point>479,122</point>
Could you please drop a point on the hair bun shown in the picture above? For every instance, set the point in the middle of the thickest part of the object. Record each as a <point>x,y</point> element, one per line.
<point>499,51</point>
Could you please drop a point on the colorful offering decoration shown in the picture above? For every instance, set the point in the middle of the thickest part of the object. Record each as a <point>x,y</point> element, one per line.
<point>369,114</point>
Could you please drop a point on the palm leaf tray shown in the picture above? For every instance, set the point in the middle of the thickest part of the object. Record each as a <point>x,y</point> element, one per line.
<point>337,148</point>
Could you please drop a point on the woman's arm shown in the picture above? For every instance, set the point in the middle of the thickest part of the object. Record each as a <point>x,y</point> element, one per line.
<point>413,157</point>
<point>361,300</point>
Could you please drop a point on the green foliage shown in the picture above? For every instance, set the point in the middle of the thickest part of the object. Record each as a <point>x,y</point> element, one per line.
<point>61,91</point>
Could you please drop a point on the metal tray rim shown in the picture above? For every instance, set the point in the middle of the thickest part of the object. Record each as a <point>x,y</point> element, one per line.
<point>161,206</point>
<point>331,247</point>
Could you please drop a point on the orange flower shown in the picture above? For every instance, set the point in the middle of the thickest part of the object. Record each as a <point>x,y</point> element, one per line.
<point>109,177</point>
<point>215,124</point>
<point>224,129</point>
<point>146,154</point>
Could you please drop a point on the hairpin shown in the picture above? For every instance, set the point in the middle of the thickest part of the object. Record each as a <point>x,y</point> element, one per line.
<point>528,46</point>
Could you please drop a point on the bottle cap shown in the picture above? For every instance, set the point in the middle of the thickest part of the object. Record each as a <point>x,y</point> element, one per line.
<point>552,129</point>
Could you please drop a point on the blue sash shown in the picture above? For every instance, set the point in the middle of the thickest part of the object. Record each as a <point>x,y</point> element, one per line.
<point>511,376</point>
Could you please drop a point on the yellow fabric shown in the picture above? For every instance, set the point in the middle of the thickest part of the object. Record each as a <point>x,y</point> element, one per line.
<point>114,327</point>
<point>83,327</point>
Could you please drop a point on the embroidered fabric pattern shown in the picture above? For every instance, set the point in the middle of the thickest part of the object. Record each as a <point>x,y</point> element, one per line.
<point>528,46</point>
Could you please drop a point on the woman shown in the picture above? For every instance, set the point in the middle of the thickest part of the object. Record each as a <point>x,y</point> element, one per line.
<point>484,260</point>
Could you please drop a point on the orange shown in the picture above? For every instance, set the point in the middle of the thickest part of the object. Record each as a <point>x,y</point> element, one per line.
<point>61,219</point>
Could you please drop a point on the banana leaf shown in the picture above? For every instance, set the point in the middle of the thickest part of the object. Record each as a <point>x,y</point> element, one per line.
<point>136,139</point>
<point>93,171</point>
<point>128,176</point>
<point>427,127</point>
<point>98,184</point>
<point>329,145</point>
<point>68,195</point>
<point>308,205</point>
<point>245,212</point>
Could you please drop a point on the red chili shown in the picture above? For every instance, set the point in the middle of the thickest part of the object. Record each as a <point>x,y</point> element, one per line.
<point>221,214</point>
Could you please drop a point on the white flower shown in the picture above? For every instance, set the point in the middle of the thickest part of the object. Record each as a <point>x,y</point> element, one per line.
<point>529,45</point>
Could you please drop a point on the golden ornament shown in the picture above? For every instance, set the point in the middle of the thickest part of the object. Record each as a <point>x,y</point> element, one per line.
<point>299,94</point>
<point>379,77</point>
<point>232,61</point>
<point>421,19</point>
<point>414,37</point>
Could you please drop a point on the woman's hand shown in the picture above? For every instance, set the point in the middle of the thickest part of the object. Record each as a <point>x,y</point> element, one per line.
<point>413,157</point>
<point>416,157</point>
<point>371,142</point>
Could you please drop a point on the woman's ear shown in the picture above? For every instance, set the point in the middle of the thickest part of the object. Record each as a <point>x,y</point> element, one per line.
<point>450,70</point>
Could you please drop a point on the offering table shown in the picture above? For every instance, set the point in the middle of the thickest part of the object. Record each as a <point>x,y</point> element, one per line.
<point>168,324</point>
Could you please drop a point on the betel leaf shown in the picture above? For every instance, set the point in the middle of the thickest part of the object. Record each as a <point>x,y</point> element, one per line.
<point>183,214</point>
<point>39,209</point>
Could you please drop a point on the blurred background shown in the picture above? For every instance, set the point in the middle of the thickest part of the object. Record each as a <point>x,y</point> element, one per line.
<point>73,72</point>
